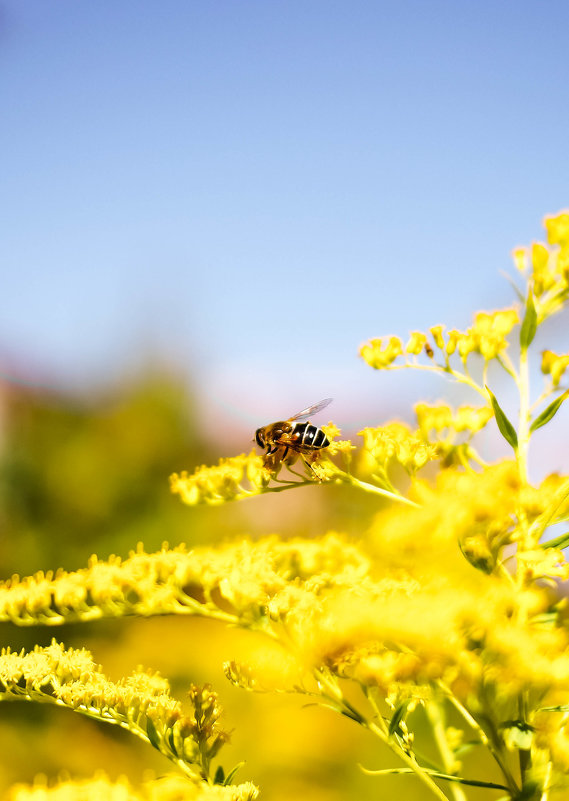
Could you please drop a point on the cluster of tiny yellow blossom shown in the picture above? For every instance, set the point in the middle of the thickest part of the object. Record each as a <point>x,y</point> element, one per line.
<point>554,365</point>
<point>443,419</point>
<point>101,788</point>
<point>233,478</point>
<point>140,703</point>
<point>243,575</point>
<point>547,265</point>
<point>488,336</point>
<point>395,442</point>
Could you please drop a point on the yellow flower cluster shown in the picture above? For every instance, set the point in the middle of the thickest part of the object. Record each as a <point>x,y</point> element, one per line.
<point>422,615</point>
<point>223,482</point>
<point>101,788</point>
<point>487,336</point>
<point>554,365</point>
<point>380,355</point>
<point>140,703</point>
<point>395,441</point>
<point>203,581</point>
<point>442,418</point>
<point>548,265</point>
<point>464,514</point>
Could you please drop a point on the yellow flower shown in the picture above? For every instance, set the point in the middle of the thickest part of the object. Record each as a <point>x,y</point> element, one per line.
<point>416,343</point>
<point>437,334</point>
<point>544,563</point>
<point>554,365</point>
<point>557,228</point>
<point>543,268</point>
<point>223,482</point>
<point>472,418</point>
<point>491,329</point>
<point>396,441</point>
<point>429,418</point>
<point>520,258</point>
<point>169,787</point>
<point>380,356</point>
<point>454,338</point>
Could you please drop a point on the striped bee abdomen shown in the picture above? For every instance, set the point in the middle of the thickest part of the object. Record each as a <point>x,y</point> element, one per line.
<point>306,435</point>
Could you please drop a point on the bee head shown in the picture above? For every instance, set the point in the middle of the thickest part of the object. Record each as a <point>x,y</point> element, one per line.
<point>260,437</point>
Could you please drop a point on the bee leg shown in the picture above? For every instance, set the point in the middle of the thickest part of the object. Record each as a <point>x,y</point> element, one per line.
<point>313,471</point>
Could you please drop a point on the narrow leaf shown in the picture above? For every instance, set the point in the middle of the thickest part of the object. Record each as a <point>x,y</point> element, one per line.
<point>507,430</point>
<point>558,542</point>
<point>529,324</point>
<point>398,716</point>
<point>232,772</point>
<point>152,733</point>
<point>549,412</point>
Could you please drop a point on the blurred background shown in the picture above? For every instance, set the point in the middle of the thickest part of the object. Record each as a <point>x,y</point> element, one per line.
<point>205,208</point>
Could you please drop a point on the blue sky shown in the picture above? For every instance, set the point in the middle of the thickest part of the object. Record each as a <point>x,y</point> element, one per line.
<point>252,188</point>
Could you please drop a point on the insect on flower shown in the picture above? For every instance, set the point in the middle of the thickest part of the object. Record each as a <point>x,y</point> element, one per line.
<point>285,440</point>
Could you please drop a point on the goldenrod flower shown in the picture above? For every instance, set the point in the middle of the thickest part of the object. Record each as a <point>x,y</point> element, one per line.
<point>416,343</point>
<point>223,482</point>
<point>396,441</point>
<point>101,788</point>
<point>437,334</point>
<point>454,337</point>
<point>554,365</point>
<point>380,355</point>
<point>490,331</point>
<point>520,257</point>
<point>557,228</point>
<point>140,703</point>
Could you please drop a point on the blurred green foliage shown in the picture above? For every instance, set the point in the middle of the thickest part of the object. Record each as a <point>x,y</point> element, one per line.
<point>79,477</point>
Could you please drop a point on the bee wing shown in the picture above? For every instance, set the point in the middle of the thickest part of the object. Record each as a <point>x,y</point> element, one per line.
<point>317,407</point>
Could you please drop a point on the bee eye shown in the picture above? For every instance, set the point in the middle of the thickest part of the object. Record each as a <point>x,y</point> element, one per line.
<point>260,438</point>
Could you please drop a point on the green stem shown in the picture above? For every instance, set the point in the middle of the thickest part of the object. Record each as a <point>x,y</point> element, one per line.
<point>505,362</point>
<point>524,754</point>
<point>523,426</point>
<point>434,714</point>
<point>394,496</point>
<point>460,378</point>
<point>436,775</point>
<point>489,742</point>
<point>331,692</point>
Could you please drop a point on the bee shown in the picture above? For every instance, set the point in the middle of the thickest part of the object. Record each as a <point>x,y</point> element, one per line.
<point>287,439</point>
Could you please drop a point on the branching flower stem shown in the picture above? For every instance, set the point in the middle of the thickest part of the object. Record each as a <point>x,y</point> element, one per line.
<point>488,742</point>
<point>334,698</point>
<point>436,775</point>
<point>461,378</point>
<point>393,496</point>
<point>523,425</point>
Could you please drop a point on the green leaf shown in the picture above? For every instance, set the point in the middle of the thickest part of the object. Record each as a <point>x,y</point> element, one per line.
<point>152,733</point>
<point>398,716</point>
<point>549,412</point>
<point>529,323</point>
<point>232,772</point>
<point>507,430</point>
<point>558,542</point>
<point>219,777</point>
